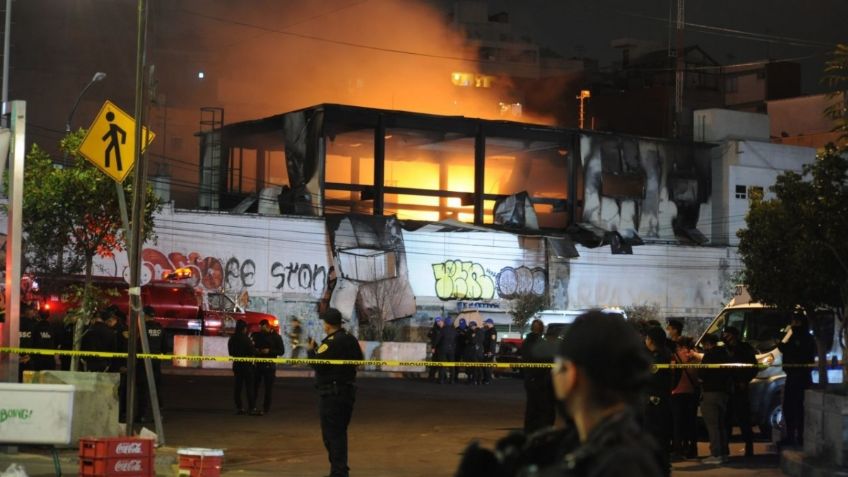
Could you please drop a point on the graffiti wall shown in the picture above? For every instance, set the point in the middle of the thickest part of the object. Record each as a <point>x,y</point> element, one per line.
<point>655,189</point>
<point>447,264</point>
<point>265,256</point>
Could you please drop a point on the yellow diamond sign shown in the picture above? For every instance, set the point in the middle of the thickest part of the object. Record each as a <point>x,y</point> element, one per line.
<point>110,141</point>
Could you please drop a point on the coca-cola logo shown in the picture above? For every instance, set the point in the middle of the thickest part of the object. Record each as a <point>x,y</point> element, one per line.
<point>128,448</point>
<point>133,465</point>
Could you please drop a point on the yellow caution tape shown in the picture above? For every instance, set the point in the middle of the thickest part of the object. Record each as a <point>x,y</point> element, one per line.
<point>369,362</point>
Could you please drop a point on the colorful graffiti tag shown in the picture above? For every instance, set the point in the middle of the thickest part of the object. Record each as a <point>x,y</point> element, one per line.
<point>514,282</point>
<point>237,274</point>
<point>465,280</point>
<point>459,280</point>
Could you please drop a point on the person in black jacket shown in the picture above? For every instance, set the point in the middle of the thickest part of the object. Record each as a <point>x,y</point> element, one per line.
<point>240,345</point>
<point>269,344</point>
<point>157,345</point>
<point>461,340</point>
<point>715,385</point>
<point>336,388</point>
<point>490,347</point>
<point>598,392</point>
<point>432,336</point>
<point>446,350</point>
<point>540,410</point>
<point>474,352</point>
<point>114,321</point>
<point>658,405</point>
<point>798,348</point>
<point>98,337</point>
<point>739,405</point>
<point>25,327</point>
<point>44,337</point>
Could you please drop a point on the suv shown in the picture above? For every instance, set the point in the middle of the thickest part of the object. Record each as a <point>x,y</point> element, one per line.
<point>179,308</point>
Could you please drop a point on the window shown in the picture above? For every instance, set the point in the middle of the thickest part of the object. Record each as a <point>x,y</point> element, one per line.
<point>742,192</point>
<point>731,85</point>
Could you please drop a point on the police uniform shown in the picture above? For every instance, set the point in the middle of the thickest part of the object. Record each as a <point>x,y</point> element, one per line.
<point>266,372</point>
<point>25,327</point>
<point>98,337</point>
<point>156,345</point>
<point>615,447</point>
<point>240,345</point>
<point>336,390</point>
<point>540,410</point>
<point>43,337</point>
<point>489,348</point>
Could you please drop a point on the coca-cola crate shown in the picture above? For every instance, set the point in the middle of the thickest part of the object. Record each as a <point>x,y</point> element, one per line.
<point>102,447</point>
<point>117,467</point>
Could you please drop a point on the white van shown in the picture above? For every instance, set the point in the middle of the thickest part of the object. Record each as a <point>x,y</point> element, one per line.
<point>558,321</point>
<point>763,328</point>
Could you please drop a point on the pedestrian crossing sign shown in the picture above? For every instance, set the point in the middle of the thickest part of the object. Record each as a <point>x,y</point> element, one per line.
<point>109,143</point>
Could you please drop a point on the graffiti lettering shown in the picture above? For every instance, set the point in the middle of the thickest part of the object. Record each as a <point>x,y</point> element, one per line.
<point>514,282</point>
<point>239,274</point>
<point>22,414</point>
<point>458,280</point>
<point>299,276</point>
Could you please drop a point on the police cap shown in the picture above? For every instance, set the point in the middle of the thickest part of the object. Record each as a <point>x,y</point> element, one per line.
<point>332,317</point>
<point>610,352</point>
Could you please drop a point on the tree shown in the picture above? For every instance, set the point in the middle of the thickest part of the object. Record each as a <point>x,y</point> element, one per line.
<point>794,249</point>
<point>70,215</point>
<point>836,79</point>
<point>524,306</point>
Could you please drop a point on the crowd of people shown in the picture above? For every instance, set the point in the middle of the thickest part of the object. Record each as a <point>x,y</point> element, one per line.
<point>464,342</point>
<point>590,414</point>
<point>106,332</point>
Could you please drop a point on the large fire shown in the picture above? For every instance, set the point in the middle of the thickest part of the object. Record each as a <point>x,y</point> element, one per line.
<point>388,54</point>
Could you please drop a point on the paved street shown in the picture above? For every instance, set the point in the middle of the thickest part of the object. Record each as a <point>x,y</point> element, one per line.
<point>400,427</point>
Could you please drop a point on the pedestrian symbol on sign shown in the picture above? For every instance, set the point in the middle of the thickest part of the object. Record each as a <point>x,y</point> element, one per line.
<point>112,136</point>
<point>109,143</point>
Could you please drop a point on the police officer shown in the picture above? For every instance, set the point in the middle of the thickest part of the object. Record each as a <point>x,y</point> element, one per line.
<point>798,348</point>
<point>113,319</point>
<point>98,337</point>
<point>461,339</point>
<point>43,337</point>
<point>157,345</point>
<point>490,344</point>
<point>539,411</point>
<point>432,337</point>
<point>240,345</point>
<point>336,388</point>
<point>739,405</point>
<point>658,405</point>
<point>25,327</point>
<point>269,344</point>
<point>446,350</point>
<point>598,392</point>
<point>474,352</point>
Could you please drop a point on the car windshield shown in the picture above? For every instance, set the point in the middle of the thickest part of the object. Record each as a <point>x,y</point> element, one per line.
<point>220,302</point>
<point>763,328</point>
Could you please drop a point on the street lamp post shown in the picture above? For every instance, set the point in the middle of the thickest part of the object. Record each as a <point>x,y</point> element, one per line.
<point>99,76</point>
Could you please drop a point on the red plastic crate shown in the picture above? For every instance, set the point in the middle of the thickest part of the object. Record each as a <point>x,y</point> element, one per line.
<point>200,462</point>
<point>114,447</point>
<point>117,467</point>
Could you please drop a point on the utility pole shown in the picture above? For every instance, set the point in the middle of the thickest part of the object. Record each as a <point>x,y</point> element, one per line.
<point>139,189</point>
<point>679,71</point>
